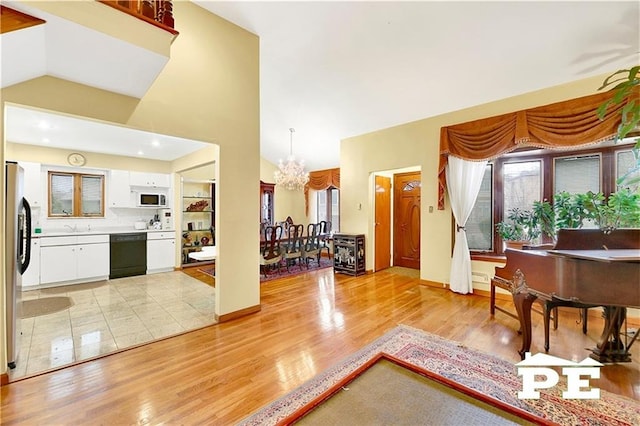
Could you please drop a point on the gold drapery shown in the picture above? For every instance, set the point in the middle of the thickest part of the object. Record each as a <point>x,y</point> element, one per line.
<point>319,180</point>
<point>566,124</point>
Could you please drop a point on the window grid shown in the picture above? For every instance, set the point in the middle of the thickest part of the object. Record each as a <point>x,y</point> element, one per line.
<point>612,162</point>
<point>76,195</point>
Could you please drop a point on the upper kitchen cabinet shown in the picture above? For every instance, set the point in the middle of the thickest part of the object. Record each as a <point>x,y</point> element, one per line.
<point>151,180</point>
<point>33,183</point>
<point>118,189</point>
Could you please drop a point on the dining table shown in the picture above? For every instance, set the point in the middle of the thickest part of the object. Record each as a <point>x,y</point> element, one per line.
<point>206,253</point>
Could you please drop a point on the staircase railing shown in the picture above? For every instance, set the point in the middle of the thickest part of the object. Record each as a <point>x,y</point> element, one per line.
<point>156,12</point>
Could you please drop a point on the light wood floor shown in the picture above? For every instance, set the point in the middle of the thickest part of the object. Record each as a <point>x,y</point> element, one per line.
<point>221,374</point>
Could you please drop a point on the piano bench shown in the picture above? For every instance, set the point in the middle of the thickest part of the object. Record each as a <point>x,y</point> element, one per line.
<point>549,310</point>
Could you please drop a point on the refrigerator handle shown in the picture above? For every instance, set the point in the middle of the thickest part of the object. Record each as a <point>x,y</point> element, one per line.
<point>27,255</point>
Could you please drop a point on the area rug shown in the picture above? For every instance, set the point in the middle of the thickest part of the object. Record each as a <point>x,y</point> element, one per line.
<point>44,306</point>
<point>479,371</point>
<point>399,270</point>
<point>211,271</point>
<point>273,274</point>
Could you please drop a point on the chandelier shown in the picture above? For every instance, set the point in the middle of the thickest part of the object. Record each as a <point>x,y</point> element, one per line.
<point>291,174</point>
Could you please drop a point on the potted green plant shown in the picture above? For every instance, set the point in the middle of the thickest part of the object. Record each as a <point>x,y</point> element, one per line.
<point>523,226</point>
<point>620,210</point>
<point>623,84</point>
<point>572,210</point>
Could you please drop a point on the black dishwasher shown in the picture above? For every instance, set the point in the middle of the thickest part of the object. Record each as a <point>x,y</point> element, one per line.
<point>128,254</point>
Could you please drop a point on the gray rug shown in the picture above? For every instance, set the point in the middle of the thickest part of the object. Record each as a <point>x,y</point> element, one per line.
<point>409,399</point>
<point>44,306</point>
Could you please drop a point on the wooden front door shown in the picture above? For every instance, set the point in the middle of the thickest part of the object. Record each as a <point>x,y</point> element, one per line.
<point>406,220</point>
<point>383,223</point>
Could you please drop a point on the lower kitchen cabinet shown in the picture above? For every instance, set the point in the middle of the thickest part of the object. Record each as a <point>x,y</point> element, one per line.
<point>31,277</point>
<point>74,259</point>
<point>161,251</point>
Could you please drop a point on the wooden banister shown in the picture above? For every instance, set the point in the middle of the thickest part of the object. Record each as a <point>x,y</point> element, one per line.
<point>156,12</point>
<point>11,20</point>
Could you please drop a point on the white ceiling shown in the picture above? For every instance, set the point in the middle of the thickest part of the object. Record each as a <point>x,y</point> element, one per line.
<point>332,70</point>
<point>34,127</point>
<point>68,50</point>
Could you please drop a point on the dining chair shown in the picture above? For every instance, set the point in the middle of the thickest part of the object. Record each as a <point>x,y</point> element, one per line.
<point>311,246</point>
<point>325,237</point>
<point>292,249</point>
<point>270,250</point>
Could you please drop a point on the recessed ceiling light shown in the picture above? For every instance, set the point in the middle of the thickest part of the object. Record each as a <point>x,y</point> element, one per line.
<point>155,143</point>
<point>140,153</point>
<point>45,140</point>
<point>44,125</point>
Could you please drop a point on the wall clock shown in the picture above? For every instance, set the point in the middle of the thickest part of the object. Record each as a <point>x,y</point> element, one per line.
<point>76,159</point>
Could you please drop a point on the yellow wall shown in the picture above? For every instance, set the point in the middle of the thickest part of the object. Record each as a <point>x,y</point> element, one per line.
<point>287,203</point>
<point>417,143</point>
<point>208,91</point>
<point>54,156</point>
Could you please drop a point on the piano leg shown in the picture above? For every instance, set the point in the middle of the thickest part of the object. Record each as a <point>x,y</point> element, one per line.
<point>610,347</point>
<point>547,309</point>
<point>523,302</point>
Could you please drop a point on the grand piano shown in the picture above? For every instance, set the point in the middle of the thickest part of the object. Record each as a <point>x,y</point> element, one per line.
<point>586,267</point>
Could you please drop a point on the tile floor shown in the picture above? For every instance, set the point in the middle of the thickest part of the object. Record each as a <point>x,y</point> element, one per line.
<point>111,315</point>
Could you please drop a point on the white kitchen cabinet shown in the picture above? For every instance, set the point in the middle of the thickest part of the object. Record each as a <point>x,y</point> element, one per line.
<point>92,260</point>
<point>161,252</point>
<point>57,264</point>
<point>119,191</point>
<point>31,276</point>
<point>74,259</point>
<point>33,184</point>
<point>153,180</point>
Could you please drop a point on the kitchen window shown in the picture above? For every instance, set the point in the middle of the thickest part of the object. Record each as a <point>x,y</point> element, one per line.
<point>518,179</point>
<point>76,195</point>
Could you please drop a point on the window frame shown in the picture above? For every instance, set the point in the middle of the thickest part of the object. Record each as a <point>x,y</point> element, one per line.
<point>328,206</point>
<point>77,195</point>
<point>608,175</point>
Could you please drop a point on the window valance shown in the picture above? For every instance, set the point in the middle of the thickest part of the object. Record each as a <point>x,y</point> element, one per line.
<point>319,180</point>
<point>566,124</point>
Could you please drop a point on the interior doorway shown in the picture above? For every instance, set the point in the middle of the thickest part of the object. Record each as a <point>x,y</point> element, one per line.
<point>406,219</point>
<point>382,223</point>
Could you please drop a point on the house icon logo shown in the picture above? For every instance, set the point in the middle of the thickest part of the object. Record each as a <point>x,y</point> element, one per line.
<point>539,366</point>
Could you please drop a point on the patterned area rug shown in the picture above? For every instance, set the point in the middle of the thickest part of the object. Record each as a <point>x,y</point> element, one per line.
<point>210,270</point>
<point>273,274</point>
<point>477,370</point>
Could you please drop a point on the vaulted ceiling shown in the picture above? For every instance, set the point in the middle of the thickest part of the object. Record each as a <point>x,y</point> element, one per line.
<point>332,70</point>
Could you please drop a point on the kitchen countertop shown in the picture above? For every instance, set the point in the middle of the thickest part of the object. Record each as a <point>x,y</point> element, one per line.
<point>96,231</point>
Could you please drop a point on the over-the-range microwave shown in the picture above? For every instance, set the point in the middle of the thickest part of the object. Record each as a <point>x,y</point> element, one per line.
<point>152,199</point>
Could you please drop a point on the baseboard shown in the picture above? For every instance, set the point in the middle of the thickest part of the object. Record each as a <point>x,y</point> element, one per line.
<point>593,312</point>
<point>4,379</point>
<point>632,320</point>
<point>238,314</point>
<point>434,284</point>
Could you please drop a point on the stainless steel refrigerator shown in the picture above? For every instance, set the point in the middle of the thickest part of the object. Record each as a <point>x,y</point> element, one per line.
<point>17,254</point>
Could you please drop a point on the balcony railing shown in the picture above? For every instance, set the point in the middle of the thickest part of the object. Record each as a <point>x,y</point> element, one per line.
<point>156,12</point>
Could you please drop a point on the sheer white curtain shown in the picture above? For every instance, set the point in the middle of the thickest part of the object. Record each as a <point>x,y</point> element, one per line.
<point>463,184</point>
